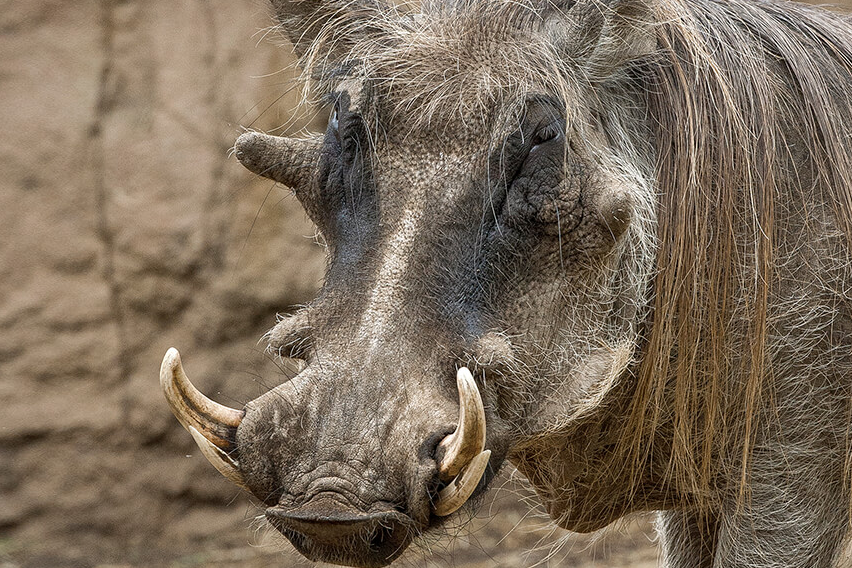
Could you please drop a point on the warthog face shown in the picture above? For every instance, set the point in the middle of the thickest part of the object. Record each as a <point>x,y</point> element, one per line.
<point>488,251</point>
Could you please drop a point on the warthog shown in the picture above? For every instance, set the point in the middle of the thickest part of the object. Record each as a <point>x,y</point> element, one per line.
<point>606,240</point>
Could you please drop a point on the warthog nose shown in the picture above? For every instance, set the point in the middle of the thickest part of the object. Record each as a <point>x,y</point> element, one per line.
<point>331,532</point>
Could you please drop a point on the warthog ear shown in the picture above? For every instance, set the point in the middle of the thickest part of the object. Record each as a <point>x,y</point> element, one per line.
<point>603,36</point>
<point>335,23</point>
<point>290,161</point>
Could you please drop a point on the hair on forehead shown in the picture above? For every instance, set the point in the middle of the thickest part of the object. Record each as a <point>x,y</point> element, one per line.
<point>449,61</point>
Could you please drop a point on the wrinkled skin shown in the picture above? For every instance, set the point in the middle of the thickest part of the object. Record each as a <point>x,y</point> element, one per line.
<point>428,265</point>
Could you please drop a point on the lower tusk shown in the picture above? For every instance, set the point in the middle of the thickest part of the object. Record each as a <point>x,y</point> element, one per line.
<point>227,466</point>
<point>456,494</point>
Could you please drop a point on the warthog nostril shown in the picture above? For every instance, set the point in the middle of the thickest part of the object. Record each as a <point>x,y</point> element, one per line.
<point>429,448</point>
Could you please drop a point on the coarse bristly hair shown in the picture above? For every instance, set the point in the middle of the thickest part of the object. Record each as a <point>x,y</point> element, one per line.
<point>746,114</point>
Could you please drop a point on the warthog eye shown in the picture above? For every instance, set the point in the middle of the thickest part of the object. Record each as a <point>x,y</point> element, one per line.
<point>534,161</point>
<point>333,121</point>
<point>548,133</point>
<point>529,161</point>
<point>343,181</point>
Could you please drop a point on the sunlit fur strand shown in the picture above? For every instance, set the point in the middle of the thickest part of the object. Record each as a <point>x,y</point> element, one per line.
<point>752,260</point>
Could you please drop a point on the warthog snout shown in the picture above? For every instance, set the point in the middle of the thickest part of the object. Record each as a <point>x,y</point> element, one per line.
<point>346,480</point>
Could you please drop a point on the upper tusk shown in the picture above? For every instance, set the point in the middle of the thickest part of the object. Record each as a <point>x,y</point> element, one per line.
<point>456,494</point>
<point>212,425</point>
<point>467,442</point>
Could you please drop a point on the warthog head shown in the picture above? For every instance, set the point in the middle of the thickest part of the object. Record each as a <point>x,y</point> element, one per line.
<point>489,226</point>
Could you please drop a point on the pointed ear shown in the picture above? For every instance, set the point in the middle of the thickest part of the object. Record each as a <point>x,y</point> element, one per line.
<point>334,22</point>
<point>603,36</point>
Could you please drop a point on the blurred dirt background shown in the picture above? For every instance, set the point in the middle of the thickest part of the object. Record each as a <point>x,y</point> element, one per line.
<point>126,227</point>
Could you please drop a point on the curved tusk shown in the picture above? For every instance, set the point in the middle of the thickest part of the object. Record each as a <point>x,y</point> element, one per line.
<point>227,466</point>
<point>456,494</point>
<point>212,425</point>
<point>468,440</point>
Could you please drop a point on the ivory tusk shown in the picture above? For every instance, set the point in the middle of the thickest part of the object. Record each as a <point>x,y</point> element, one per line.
<point>211,424</point>
<point>227,466</point>
<point>456,494</point>
<point>459,448</point>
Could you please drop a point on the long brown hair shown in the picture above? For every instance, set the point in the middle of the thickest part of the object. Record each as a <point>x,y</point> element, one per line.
<point>749,101</point>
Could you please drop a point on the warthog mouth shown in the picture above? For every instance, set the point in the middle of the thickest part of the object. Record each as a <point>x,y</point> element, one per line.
<point>327,530</point>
